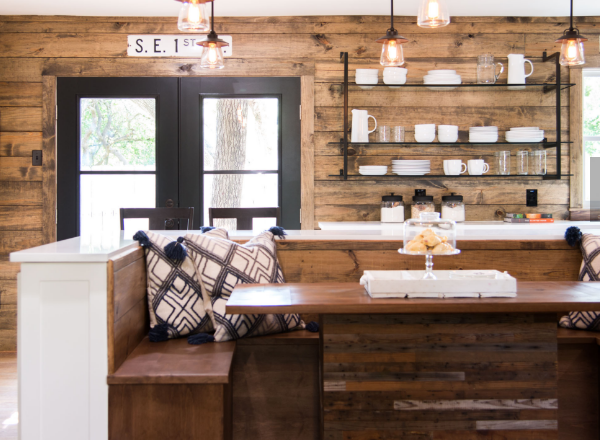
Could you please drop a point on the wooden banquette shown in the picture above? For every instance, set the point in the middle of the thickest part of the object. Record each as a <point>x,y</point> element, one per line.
<point>269,387</point>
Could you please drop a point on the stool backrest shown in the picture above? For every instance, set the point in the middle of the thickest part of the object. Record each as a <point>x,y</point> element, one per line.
<point>244,216</point>
<point>161,219</point>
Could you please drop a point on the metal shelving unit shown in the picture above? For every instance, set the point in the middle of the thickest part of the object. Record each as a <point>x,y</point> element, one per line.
<point>544,87</point>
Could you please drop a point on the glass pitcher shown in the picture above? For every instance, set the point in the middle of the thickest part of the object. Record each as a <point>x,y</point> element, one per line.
<point>486,69</point>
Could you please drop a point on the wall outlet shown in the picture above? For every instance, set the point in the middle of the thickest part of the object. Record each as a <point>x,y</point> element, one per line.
<point>531,197</point>
<point>36,158</point>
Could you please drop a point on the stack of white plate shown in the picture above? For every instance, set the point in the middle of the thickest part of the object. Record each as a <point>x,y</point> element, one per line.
<point>483,134</point>
<point>394,75</point>
<point>373,170</point>
<point>411,167</point>
<point>442,77</point>
<point>525,134</point>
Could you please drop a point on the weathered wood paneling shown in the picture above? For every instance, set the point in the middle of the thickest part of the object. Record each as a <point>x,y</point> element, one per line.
<point>19,144</point>
<point>445,386</point>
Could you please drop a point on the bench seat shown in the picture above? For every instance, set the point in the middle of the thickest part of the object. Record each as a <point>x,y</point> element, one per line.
<point>176,362</point>
<point>568,336</point>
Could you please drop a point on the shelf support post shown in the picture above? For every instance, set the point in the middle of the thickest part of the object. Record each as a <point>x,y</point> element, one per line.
<point>556,56</point>
<point>344,56</point>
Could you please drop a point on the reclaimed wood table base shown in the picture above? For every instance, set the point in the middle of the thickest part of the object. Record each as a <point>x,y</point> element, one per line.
<point>431,369</point>
<point>440,377</point>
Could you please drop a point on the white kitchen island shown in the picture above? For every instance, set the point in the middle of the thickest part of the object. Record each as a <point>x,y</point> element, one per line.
<point>63,292</point>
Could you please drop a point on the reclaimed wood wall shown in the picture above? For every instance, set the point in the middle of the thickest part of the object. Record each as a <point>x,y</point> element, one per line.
<point>34,49</point>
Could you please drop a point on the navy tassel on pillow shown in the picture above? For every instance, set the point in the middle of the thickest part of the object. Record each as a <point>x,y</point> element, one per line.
<point>141,238</point>
<point>573,235</point>
<point>312,326</point>
<point>204,229</point>
<point>159,333</point>
<point>200,338</point>
<point>175,250</point>
<point>278,231</point>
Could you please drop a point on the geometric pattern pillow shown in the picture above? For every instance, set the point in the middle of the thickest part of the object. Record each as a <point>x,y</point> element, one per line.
<point>221,265</point>
<point>175,301</point>
<point>590,271</point>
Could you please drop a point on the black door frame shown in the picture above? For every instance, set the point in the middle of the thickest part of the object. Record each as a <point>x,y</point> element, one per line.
<point>194,90</point>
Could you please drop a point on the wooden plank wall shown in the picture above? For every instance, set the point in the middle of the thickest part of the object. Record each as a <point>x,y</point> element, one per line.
<point>34,48</point>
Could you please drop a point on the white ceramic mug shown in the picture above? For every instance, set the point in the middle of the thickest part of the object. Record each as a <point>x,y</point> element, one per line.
<point>454,167</point>
<point>477,167</point>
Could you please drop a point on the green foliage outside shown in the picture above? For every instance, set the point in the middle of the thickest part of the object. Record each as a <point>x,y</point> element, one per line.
<point>591,114</point>
<point>118,133</point>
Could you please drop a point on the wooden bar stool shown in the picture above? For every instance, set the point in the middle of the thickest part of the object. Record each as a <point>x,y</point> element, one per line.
<point>161,219</point>
<point>244,216</point>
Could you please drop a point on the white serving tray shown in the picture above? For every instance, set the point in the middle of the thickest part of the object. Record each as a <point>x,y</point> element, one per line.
<point>449,284</point>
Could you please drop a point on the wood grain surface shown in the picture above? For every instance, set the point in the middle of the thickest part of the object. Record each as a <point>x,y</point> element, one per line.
<point>351,298</point>
<point>446,389</point>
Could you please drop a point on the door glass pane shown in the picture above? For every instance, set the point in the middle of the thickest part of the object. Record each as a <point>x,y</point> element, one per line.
<point>117,134</point>
<point>591,149</point>
<point>102,195</point>
<point>240,191</point>
<point>241,134</point>
<point>591,106</point>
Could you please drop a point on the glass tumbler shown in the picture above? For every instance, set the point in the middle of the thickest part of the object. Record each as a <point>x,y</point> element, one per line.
<point>398,134</point>
<point>538,162</point>
<point>522,162</point>
<point>503,162</point>
<point>486,69</point>
<point>383,133</point>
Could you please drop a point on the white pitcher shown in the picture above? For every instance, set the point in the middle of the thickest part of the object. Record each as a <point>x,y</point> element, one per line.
<point>516,68</point>
<point>360,125</point>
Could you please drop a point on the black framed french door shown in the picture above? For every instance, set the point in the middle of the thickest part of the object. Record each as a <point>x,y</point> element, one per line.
<point>117,144</point>
<point>146,142</point>
<point>268,174</point>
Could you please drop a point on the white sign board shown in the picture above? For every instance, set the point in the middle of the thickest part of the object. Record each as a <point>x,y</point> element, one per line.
<point>171,45</point>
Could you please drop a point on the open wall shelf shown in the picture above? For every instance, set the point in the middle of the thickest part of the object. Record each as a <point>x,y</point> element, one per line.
<point>555,87</point>
<point>462,176</point>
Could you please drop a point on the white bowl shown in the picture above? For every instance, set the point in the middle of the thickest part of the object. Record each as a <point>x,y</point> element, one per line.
<point>447,137</point>
<point>394,80</point>
<point>424,137</point>
<point>395,69</point>
<point>366,80</point>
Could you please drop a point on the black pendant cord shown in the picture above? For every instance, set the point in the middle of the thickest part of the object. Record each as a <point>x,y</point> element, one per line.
<point>392,17</point>
<point>212,15</point>
<point>571,28</point>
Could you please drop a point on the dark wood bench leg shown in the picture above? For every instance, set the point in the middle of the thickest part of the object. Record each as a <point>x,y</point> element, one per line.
<point>170,412</point>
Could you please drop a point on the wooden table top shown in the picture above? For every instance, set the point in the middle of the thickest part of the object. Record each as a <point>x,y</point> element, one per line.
<point>351,298</point>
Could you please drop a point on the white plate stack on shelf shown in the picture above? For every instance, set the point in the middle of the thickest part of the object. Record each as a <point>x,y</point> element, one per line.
<point>483,134</point>
<point>411,167</point>
<point>373,170</point>
<point>368,77</point>
<point>445,77</point>
<point>524,134</point>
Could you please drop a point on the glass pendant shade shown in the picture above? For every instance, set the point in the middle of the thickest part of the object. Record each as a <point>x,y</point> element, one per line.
<point>212,56</point>
<point>571,52</point>
<point>392,54</point>
<point>433,14</point>
<point>193,17</point>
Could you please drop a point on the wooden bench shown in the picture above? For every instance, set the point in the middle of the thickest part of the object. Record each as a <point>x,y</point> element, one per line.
<point>258,388</point>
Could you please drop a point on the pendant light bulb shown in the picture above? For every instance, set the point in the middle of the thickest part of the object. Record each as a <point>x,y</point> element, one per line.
<point>212,47</point>
<point>571,51</point>
<point>433,14</point>
<point>193,17</point>
<point>391,52</point>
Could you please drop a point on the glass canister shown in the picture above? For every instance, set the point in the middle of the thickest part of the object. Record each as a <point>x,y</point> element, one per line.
<point>453,208</point>
<point>392,209</point>
<point>421,203</point>
<point>538,162</point>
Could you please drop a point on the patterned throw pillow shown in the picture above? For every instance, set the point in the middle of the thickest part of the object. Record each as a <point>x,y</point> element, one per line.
<point>221,265</point>
<point>175,301</point>
<point>590,271</point>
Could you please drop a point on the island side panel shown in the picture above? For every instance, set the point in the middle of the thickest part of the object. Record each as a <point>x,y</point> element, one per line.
<point>440,377</point>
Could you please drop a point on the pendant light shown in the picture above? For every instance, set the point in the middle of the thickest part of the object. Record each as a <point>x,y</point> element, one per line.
<point>391,53</point>
<point>193,16</point>
<point>212,52</point>
<point>571,52</point>
<point>433,14</point>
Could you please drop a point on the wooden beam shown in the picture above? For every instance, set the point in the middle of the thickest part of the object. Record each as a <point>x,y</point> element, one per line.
<point>307,166</point>
<point>49,158</point>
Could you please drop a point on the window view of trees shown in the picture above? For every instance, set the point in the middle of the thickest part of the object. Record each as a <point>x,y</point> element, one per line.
<point>240,134</point>
<point>118,134</point>
<point>591,126</point>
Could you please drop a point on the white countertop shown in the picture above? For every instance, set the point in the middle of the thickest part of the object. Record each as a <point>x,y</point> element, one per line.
<point>101,247</point>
